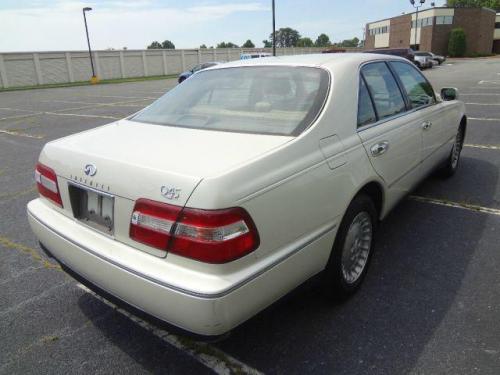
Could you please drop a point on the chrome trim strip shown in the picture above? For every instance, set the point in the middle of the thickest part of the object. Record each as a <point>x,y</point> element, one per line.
<point>176,288</point>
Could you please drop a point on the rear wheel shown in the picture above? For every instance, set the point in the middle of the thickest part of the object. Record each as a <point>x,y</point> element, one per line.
<point>453,160</point>
<point>352,248</point>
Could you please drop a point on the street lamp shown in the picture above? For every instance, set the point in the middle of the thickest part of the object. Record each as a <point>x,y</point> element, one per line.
<point>94,78</point>
<point>416,6</point>
<point>274,31</point>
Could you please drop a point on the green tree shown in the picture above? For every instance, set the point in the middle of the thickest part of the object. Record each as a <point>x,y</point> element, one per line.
<point>248,44</point>
<point>349,42</point>
<point>155,45</point>
<point>286,37</point>
<point>167,44</point>
<point>493,4</point>
<point>267,43</point>
<point>305,42</point>
<point>227,45</point>
<point>203,46</point>
<point>457,44</point>
<point>322,41</point>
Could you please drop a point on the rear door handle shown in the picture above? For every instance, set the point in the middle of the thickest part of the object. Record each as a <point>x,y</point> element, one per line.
<point>426,125</point>
<point>379,148</point>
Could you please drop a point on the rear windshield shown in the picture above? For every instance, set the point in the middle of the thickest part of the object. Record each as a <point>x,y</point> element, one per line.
<point>273,100</point>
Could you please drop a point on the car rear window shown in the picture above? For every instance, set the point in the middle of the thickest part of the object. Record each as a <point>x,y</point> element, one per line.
<point>275,100</point>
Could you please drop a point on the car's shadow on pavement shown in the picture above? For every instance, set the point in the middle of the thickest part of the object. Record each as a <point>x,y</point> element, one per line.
<point>421,258</point>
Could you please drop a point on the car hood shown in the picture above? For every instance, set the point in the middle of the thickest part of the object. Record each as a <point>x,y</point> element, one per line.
<point>137,160</point>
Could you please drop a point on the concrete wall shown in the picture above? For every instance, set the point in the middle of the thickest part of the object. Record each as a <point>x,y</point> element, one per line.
<point>29,69</point>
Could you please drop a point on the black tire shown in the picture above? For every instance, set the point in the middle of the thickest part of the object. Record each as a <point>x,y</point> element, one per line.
<point>335,282</point>
<point>451,165</point>
<point>182,79</point>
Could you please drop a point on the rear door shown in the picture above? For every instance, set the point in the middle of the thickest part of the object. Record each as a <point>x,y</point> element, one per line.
<point>434,116</point>
<point>392,137</point>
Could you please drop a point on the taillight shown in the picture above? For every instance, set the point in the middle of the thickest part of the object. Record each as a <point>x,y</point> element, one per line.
<point>211,236</point>
<point>152,222</point>
<point>46,182</point>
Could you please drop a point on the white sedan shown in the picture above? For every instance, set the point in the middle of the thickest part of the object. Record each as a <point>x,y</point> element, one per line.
<point>243,182</point>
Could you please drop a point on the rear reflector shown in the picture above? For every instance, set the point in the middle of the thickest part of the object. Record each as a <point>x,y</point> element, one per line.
<point>46,182</point>
<point>211,236</point>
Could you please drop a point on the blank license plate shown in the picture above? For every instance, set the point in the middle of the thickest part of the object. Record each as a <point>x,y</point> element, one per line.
<point>93,208</point>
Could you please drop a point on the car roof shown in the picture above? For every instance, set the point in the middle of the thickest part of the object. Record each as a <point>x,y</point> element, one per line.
<point>314,60</point>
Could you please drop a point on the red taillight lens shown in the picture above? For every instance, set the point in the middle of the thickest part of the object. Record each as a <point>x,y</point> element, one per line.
<point>46,182</point>
<point>152,222</point>
<point>214,236</point>
<point>211,236</point>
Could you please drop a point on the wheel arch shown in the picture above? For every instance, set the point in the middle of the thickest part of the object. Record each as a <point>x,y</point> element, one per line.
<point>375,191</point>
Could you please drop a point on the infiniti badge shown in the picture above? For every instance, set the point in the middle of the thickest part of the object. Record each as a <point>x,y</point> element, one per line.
<point>90,170</point>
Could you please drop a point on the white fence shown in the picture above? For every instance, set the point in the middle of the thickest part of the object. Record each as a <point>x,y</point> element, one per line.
<point>38,68</point>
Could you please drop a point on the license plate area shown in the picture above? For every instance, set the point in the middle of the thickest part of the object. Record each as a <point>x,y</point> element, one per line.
<point>93,208</point>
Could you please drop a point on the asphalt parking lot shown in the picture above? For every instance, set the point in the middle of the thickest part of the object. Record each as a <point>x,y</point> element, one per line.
<point>430,303</point>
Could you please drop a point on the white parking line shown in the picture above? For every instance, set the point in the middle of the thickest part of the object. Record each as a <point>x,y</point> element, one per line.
<point>213,358</point>
<point>485,104</point>
<point>483,119</point>
<point>19,134</point>
<point>81,115</point>
<point>485,147</point>
<point>463,206</point>
<point>479,94</point>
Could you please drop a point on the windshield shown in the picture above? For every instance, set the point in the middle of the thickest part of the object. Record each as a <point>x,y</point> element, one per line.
<point>276,100</point>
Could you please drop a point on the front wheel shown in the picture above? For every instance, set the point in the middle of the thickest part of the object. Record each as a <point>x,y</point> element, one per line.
<point>352,249</point>
<point>452,162</point>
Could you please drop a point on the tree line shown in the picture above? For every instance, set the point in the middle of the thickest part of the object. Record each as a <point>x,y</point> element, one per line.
<point>285,37</point>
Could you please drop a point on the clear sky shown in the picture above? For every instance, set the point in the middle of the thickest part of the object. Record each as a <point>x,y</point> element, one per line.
<point>51,25</point>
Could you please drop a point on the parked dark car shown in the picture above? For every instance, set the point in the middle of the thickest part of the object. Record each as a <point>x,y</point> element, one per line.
<point>188,73</point>
<point>407,53</point>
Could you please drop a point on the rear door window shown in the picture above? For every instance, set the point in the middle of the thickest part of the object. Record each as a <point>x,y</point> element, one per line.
<point>366,112</point>
<point>384,90</point>
<point>418,89</point>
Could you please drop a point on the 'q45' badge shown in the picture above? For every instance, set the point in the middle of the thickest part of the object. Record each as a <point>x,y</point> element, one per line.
<point>170,192</point>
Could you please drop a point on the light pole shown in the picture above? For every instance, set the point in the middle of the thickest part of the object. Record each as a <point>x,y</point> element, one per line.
<point>274,31</point>
<point>94,78</point>
<point>413,2</point>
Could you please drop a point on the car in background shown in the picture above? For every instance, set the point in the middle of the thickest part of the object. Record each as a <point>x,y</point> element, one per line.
<point>406,53</point>
<point>237,186</point>
<point>188,73</point>
<point>437,58</point>
<point>254,55</point>
<point>423,61</point>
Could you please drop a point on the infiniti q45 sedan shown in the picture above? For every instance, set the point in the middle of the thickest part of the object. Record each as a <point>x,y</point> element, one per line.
<point>243,182</point>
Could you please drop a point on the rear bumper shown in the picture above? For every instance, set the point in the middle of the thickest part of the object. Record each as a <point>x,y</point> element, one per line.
<point>79,250</point>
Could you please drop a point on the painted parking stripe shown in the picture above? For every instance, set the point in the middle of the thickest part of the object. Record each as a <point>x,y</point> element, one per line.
<point>485,104</point>
<point>213,358</point>
<point>479,94</point>
<point>485,147</point>
<point>483,119</point>
<point>463,206</point>
<point>20,134</point>
<point>81,115</point>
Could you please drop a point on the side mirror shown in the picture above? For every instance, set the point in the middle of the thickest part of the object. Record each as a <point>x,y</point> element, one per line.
<point>449,93</point>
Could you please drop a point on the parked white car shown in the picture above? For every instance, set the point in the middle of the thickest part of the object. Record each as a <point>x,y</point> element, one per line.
<point>243,182</point>
<point>423,61</point>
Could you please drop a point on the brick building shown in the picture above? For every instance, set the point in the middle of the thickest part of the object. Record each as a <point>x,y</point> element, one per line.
<point>431,31</point>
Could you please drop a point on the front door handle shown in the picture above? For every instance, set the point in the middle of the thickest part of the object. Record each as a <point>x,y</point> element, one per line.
<point>379,148</point>
<point>426,125</point>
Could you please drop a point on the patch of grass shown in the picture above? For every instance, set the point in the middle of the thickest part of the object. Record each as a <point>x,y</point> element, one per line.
<point>87,83</point>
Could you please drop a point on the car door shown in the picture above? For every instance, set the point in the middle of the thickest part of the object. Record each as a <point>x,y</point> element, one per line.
<point>434,115</point>
<point>392,137</point>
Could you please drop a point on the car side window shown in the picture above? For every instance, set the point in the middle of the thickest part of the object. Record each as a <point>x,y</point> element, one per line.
<point>384,90</point>
<point>417,88</point>
<point>366,112</point>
